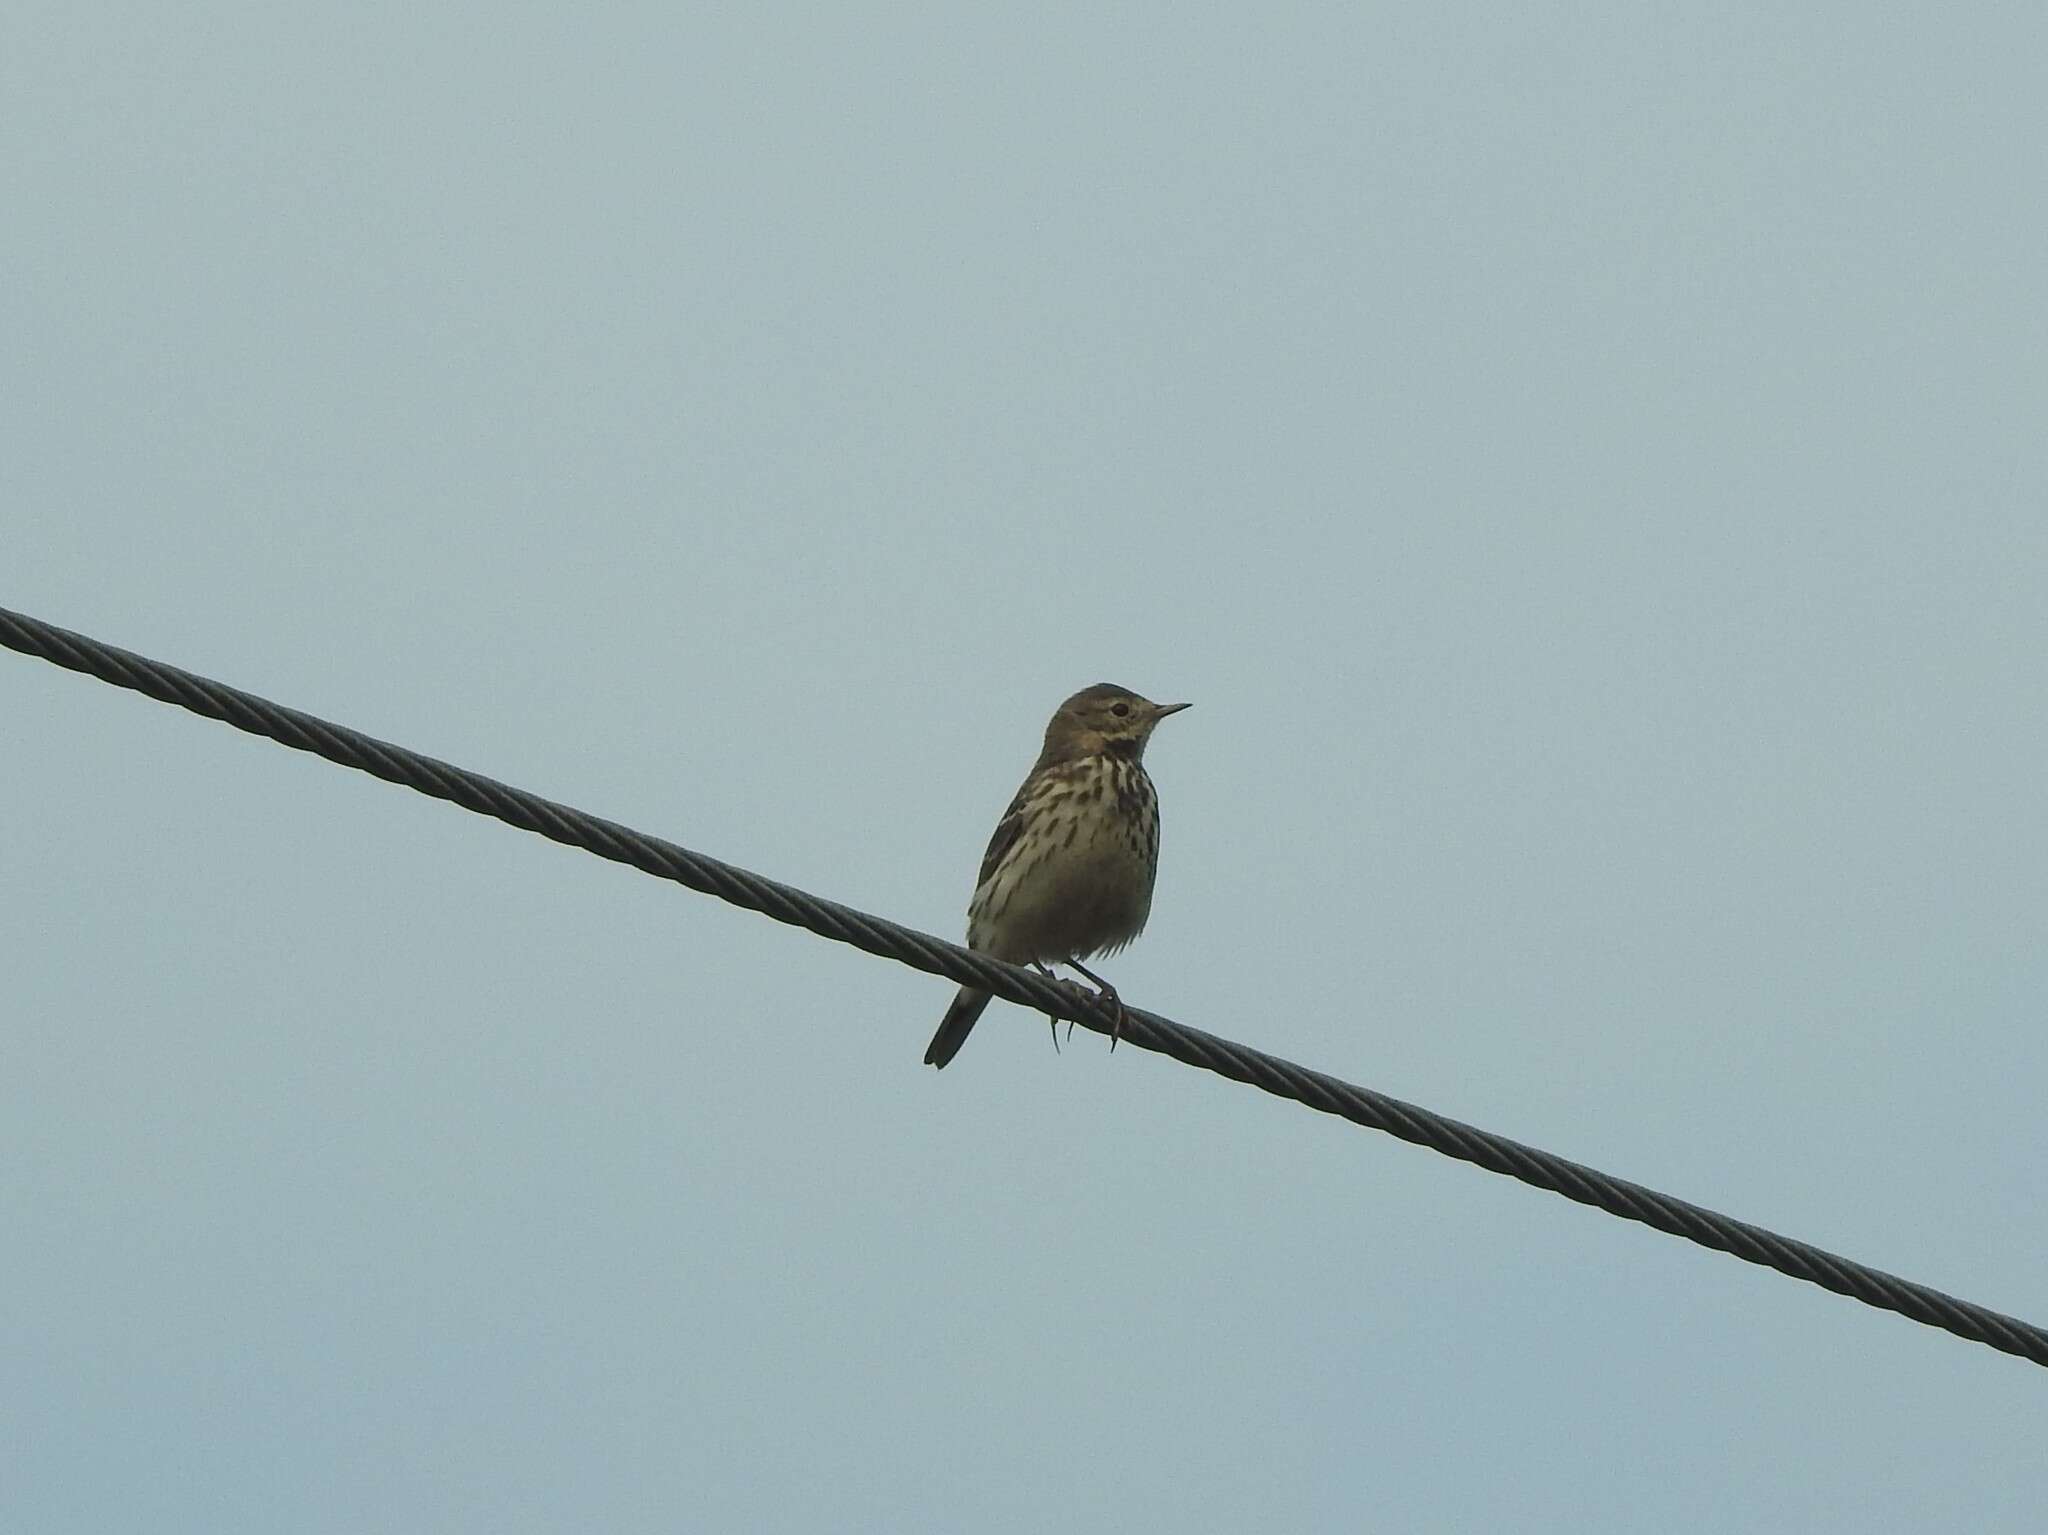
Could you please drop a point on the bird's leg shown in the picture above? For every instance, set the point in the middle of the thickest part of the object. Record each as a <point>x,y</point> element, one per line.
<point>1053,1018</point>
<point>1106,994</point>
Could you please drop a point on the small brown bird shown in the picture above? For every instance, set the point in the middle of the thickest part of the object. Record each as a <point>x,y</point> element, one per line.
<point>1068,874</point>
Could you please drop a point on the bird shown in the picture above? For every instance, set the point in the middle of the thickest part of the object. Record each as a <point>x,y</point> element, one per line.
<point>1068,874</point>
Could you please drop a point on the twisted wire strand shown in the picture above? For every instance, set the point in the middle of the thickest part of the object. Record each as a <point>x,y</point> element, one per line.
<point>936,956</point>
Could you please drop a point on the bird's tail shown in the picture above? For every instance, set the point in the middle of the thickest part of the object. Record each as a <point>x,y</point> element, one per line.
<point>956,1026</point>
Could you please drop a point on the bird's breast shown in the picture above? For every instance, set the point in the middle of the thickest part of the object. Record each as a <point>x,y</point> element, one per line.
<point>1078,879</point>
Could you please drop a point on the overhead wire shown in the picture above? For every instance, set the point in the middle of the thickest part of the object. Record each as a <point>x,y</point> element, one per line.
<point>922,951</point>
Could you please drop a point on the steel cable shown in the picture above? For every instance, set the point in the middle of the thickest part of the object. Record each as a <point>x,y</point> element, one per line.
<point>922,951</point>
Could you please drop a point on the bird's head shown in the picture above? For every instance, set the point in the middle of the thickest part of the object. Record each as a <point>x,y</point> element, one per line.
<point>1104,720</point>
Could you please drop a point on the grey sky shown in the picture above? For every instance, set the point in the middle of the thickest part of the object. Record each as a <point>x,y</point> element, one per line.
<point>1586,467</point>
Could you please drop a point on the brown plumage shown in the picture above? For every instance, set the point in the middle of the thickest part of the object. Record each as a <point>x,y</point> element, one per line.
<point>1068,873</point>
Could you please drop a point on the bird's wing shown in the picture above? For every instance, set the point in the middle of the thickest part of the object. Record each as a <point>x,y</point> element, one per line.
<point>1008,829</point>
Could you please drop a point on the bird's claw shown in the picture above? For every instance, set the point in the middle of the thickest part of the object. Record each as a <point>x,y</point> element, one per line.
<point>1104,996</point>
<point>1108,998</point>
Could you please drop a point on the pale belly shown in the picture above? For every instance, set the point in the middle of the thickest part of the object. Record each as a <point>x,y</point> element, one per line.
<point>1075,898</point>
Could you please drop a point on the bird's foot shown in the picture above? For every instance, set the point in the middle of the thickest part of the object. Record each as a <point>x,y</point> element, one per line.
<point>1053,1018</point>
<point>1104,996</point>
<point>1108,998</point>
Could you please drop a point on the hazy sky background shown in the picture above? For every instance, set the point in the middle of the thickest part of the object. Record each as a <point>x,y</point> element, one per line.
<point>1585,464</point>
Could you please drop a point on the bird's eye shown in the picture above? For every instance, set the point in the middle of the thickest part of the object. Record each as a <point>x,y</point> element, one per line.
<point>1119,710</point>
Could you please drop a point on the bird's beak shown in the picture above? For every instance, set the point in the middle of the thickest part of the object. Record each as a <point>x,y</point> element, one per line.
<point>1160,711</point>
